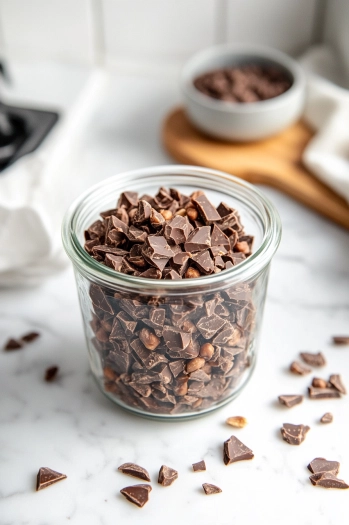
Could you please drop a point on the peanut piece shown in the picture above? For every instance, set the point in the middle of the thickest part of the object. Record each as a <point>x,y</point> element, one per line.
<point>237,421</point>
<point>319,383</point>
<point>206,351</point>
<point>167,214</point>
<point>195,364</point>
<point>192,273</point>
<point>149,339</point>
<point>192,213</point>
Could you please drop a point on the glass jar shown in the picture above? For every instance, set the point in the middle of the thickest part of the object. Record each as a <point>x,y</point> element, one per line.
<point>224,309</point>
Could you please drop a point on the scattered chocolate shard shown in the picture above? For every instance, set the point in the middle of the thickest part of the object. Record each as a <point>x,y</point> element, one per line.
<point>327,418</point>
<point>299,368</point>
<point>234,450</point>
<point>12,344</point>
<point>294,434</point>
<point>200,466</point>
<point>319,465</point>
<point>211,489</point>
<point>206,209</point>
<point>167,476</point>
<point>47,477</point>
<point>51,373</point>
<point>313,359</point>
<point>131,469</point>
<point>337,383</point>
<point>328,481</point>
<point>340,339</point>
<point>30,337</point>
<point>323,393</point>
<point>290,400</point>
<point>198,240</point>
<point>137,494</point>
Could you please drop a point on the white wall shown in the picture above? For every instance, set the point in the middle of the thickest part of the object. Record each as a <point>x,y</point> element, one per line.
<point>148,31</point>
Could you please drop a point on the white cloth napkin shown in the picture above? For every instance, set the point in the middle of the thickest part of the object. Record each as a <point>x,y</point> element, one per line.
<point>327,111</point>
<point>36,191</point>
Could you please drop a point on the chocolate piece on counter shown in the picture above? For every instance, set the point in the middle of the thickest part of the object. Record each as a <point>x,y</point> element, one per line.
<point>211,489</point>
<point>199,239</point>
<point>319,465</point>
<point>313,359</point>
<point>30,337</point>
<point>317,382</point>
<point>340,339</point>
<point>206,209</point>
<point>234,450</point>
<point>167,476</point>
<point>290,400</point>
<point>323,393</point>
<point>336,381</point>
<point>137,494</point>
<point>294,434</point>
<point>236,421</point>
<point>12,344</point>
<point>328,481</point>
<point>200,466</point>
<point>131,469</point>
<point>209,326</point>
<point>47,477</point>
<point>299,368</point>
<point>51,373</point>
<point>327,418</point>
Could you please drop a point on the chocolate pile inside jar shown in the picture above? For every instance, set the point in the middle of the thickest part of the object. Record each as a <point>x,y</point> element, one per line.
<point>169,354</point>
<point>245,83</point>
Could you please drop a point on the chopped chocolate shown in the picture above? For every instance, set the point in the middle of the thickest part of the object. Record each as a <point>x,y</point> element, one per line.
<point>199,239</point>
<point>336,381</point>
<point>290,400</point>
<point>236,421</point>
<point>299,368</point>
<point>30,337</point>
<point>323,393</point>
<point>47,477</point>
<point>167,476</point>
<point>327,418</point>
<point>12,344</point>
<point>51,373</point>
<point>209,326</point>
<point>131,469</point>
<point>137,494</point>
<point>204,262</point>
<point>294,434</point>
<point>200,466</point>
<point>211,489</point>
<point>340,339</point>
<point>320,465</point>
<point>234,450</point>
<point>313,359</point>
<point>207,211</point>
<point>328,481</point>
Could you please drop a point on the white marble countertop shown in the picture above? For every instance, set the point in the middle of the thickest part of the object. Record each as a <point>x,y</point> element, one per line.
<point>70,427</point>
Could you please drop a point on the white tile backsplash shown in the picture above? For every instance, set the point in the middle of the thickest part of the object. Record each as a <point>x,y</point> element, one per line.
<point>285,24</point>
<point>61,30</point>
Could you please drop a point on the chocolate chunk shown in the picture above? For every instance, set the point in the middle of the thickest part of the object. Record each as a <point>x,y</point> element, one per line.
<point>95,231</point>
<point>200,466</point>
<point>180,262</point>
<point>120,361</point>
<point>328,481</point>
<point>313,359</point>
<point>151,273</point>
<point>143,390</point>
<point>206,209</point>
<point>128,199</point>
<point>327,418</point>
<point>136,235</point>
<point>12,344</point>
<point>323,393</point>
<point>211,489</point>
<point>131,469</point>
<point>114,261</point>
<point>176,367</point>
<point>175,339</point>
<point>30,337</point>
<point>336,381</point>
<point>209,326</point>
<point>291,400</point>
<point>218,238</point>
<point>294,434</point>
<point>177,230</point>
<point>171,274</point>
<point>198,240</point>
<point>234,450</point>
<point>47,477</point>
<point>99,299</point>
<point>142,213</point>
<point>319,465</point>
<point>51,373</point>
<point>203,261</point>
<point>167,476</point>
<point>299,368</point>
<point>137,494</point>
<point>340,339</point>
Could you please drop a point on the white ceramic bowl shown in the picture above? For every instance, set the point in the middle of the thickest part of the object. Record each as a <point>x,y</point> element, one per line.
<point>242,121</point>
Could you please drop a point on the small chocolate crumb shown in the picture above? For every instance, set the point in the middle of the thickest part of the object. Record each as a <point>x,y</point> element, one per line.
<point>327,418</point>
<point>47,477</point>
<point>51,373</point>
<point>299,368</point>
<point>290,400</point>
<point>131,469</point>
<point>137,494</point>
<point>236,421</point>
<point>234,450</point>
<point>340,339</point>
<point>167,476</point>
<point>328,481</point>
<point>200,466</point>
<point>211,489</point>
<point>313,359</point>
<point>30,337</point>
<point>294,434</point>
<point>12,344</point>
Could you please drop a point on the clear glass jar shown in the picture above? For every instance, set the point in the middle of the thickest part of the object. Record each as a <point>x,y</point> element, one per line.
<point>157,383</point>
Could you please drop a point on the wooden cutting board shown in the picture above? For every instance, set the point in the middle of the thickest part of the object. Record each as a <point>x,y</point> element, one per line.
<point>275,162</point>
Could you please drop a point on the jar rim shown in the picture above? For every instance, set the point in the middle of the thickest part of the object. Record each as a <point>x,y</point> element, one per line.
<point>107,276</point>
